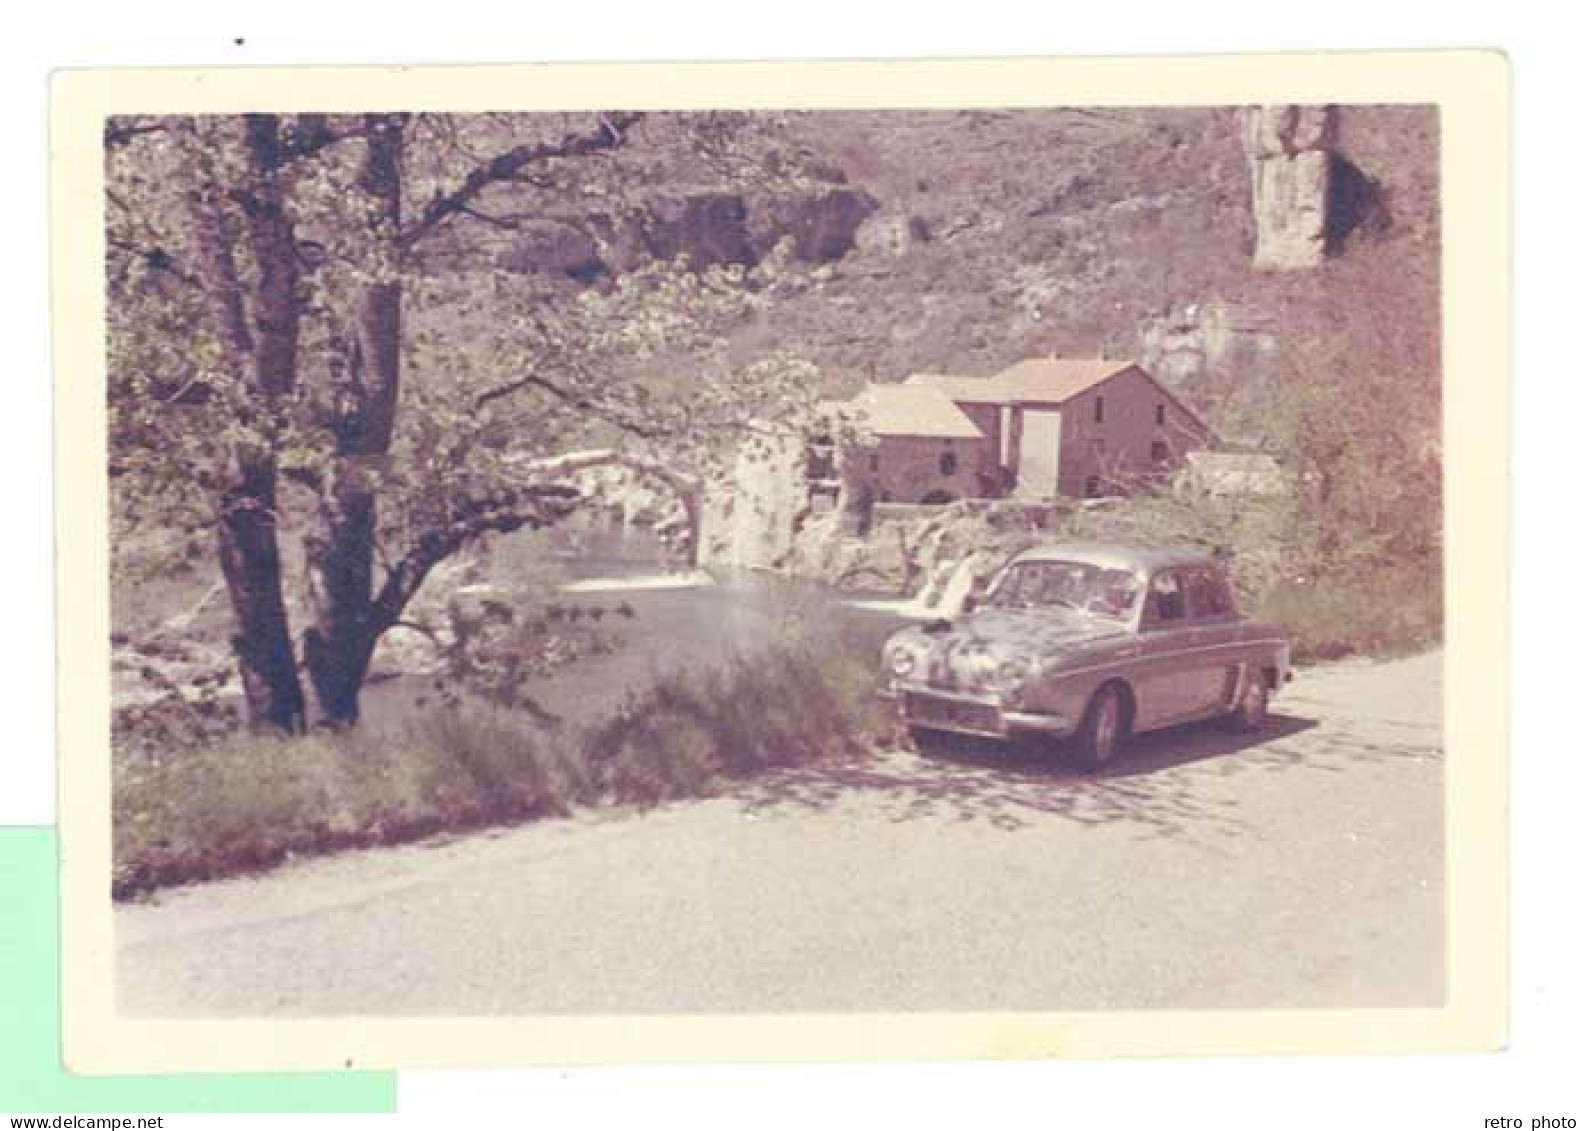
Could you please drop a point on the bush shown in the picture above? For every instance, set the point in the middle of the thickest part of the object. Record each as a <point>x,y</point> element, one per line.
<point>1381,613</point>
<point>251,801</point>
<point>788,705</point>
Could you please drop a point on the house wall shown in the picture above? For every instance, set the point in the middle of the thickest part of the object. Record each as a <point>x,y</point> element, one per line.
<point>988,418</point>
<point>907,469</point>
<point>1117,450</point>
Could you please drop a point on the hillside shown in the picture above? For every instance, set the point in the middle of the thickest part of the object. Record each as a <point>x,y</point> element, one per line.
<point>963,241</point>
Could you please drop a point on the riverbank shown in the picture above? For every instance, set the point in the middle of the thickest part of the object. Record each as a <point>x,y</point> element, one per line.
<point>249,802</point>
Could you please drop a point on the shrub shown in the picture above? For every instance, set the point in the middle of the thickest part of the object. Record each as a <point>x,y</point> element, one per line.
<point>1383,613</point>
<point>251,801</point>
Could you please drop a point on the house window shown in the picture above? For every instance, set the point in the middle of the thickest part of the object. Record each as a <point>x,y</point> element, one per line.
<point>1101,410</point>
<point>875,461</point>
<point>1092,486</point>
<point>1161,416</point>
<point>947,462</point>
<point>1159,452</point>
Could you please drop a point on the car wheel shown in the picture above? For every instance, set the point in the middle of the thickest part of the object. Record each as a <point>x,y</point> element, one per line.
<point>1103,730</point>
<point>1250,713</point>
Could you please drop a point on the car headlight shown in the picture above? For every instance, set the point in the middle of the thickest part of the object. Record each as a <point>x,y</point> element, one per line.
<point>901,661</point>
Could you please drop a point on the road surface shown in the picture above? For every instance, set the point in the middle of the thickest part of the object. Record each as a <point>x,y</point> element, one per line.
<point>1303,869</point>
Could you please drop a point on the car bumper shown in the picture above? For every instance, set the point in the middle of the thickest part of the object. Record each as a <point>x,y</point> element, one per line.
<point>980,715</point>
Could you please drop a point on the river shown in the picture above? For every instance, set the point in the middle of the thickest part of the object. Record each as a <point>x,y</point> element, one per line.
<point>680,619</point>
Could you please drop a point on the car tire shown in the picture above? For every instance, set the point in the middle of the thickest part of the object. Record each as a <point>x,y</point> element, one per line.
<point>1103,731</point>
<point>1250,713</point>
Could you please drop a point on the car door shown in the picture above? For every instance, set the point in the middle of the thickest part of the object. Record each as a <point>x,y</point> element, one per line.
<point>1212,651</point>
<point>1182,676</point>
<point>1162,693</point>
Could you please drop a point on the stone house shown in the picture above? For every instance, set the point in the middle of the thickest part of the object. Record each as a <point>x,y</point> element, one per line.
<point>1075,427</point>
<point>919,446</point>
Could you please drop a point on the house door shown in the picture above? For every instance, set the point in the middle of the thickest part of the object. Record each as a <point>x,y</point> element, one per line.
<point>1039,449</point>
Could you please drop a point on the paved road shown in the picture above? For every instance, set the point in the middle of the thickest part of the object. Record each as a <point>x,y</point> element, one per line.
<point>1304,870</point>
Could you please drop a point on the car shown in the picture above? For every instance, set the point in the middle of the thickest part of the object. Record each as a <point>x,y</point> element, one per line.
<point>1090,644</point>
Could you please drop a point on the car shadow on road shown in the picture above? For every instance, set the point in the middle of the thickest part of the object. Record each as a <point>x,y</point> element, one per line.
<point>1158,785</point>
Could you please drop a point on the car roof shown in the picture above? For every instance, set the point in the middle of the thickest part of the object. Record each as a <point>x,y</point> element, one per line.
<point>1118,555</point>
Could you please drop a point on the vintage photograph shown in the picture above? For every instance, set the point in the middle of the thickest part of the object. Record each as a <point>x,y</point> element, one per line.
<point>775,561</point>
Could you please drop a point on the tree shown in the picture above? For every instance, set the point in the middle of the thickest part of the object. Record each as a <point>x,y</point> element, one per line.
<point>288,337</point>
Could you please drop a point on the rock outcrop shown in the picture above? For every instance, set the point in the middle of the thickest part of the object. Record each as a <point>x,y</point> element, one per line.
<point>552,247</point>
<point>708,227</point>
<point>1291,159</point>
<point>822,224</point>
<point>751,516</point>
<point>1186,342</point>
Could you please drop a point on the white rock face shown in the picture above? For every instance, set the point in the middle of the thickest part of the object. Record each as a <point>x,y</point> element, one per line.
<point>884,234</point>
<point>1186,341</point>
<point>748,519</point>
<point>1290,150</point>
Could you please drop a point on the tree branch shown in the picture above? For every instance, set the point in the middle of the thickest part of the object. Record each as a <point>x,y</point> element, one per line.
<point>573,397</point>
<point>485,217</point>
<point>509,166</point>
<point>119,132</point>
<point>533,507</point>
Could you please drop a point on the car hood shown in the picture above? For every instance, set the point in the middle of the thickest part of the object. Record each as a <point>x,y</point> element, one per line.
<point>969,651</point>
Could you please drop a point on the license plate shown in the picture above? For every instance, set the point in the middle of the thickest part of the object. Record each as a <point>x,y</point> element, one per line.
<point>954,714</point>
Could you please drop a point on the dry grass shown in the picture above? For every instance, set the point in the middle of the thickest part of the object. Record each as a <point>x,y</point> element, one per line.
<point>1382,613</point>
<point>250,801</point>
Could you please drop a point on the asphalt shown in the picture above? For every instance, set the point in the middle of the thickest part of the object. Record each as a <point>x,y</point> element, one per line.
<point>1300,868</point>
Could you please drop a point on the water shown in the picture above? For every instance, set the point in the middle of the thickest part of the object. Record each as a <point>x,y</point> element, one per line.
<point>682,618</point>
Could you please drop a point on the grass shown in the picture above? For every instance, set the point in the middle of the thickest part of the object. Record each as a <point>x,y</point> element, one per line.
<point>1383,613</point>
<point>250,801</point>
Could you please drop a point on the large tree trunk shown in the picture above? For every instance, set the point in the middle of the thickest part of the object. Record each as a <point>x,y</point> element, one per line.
<point>250,561</point>
<point>250,557</point>
<point>338,646</point>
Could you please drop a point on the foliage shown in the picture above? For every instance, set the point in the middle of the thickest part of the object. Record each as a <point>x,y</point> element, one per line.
<point>311,300</point>
<point>1381,613</point>
<point>185,813</point>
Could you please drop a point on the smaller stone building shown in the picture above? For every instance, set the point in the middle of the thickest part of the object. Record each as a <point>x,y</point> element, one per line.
<point>1233,473</point>
<point>915,446</point>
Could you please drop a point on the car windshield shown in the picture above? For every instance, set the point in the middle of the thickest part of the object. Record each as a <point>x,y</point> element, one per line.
<point>1068,585</point>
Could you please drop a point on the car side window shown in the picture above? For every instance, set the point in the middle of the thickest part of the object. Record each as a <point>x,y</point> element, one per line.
<point>1165,603</point>
<point>1208,595</point>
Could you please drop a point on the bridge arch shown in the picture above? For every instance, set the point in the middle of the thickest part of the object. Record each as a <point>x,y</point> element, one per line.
<point>688,490</point>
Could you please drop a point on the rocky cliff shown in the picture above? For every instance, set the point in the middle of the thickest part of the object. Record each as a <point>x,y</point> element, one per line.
<point>1204,241</point>
<point>1291,154</point>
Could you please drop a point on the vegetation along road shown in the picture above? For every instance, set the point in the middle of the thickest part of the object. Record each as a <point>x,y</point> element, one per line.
<point>1206,870</point>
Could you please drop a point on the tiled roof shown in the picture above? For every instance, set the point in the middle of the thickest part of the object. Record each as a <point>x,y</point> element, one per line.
<point>966,390</point>
<point>911,410</point>
<point>1054,379</point>
<point>1041,379</point>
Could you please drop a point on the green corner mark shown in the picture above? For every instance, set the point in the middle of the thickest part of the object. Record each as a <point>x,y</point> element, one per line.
<point>31,1077</point>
